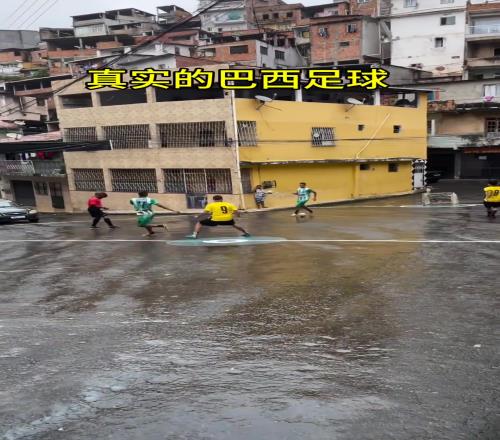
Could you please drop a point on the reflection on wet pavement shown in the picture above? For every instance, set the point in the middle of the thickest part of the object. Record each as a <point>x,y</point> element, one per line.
<point>316,340</point>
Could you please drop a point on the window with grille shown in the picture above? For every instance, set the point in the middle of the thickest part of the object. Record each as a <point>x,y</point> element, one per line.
<point>80,134</point>
<point>198,181</point>
<point>193,134</point>
<point>447,21</point>
<point>41,188</point>
<point>134,180</point>
<point>410,3</point>
<point>323,136</point>
<point>393,168</point>
<point>246,180</point>
<point>128,136</point>
<point>89,179</point>
<point>279,54</point>
<point>247,133</point>
<point>492,126</point>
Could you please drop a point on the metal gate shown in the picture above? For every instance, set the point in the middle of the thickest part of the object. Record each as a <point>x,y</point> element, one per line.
<point>23,192</point>
<point>56,194</point>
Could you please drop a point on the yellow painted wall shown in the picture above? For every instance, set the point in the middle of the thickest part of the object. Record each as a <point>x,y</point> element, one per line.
<point>284,130</point>
<point>333,182</point>
<point>377,180</point>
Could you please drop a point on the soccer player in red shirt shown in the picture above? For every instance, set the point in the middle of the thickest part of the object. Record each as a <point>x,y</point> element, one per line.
<point>96,210</point>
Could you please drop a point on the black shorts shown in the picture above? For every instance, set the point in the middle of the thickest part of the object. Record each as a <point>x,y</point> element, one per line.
<point>96,212</point>
<point>492,204</point>
<point>209,222</point>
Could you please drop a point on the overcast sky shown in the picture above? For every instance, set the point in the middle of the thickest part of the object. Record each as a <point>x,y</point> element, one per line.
<point>32,14</point>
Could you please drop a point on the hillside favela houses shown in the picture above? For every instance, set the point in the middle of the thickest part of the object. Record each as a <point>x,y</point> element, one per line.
<point>185,145</point>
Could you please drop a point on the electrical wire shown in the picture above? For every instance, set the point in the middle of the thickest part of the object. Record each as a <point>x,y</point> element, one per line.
<point>42,14</point>
<point>18,9</point>
<point>111,62</point>
<point>46,2</point>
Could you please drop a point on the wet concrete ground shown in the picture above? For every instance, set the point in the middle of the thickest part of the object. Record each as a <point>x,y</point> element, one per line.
<point>318,340</point>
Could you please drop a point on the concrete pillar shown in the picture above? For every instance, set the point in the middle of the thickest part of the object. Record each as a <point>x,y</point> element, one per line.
<point>160,180</point>
<point>376,97</point>
<point>458,165</point>
<point>298,95</point>
<point>155,136</point>
<point>107,179</point>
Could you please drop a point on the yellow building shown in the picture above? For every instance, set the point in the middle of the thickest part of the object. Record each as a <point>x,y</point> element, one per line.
<point>185,145</point>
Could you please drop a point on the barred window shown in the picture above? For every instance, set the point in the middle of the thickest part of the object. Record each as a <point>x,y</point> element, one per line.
<point>41,188</point>
<point>128,136</point>
<point>247,133</point>
<point>198,181</point>
<point>193,134</point>
<point>134,180</point>
<point>323,136</point>
<point>80,134</point>
<point>89,179</point>
<point>492,125</point>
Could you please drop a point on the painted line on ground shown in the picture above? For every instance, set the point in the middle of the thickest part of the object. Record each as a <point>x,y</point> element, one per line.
<point>281,241</point>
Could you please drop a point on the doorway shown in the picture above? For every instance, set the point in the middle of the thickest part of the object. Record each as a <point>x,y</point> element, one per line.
<point>23,192</point>
<point>56,194</point>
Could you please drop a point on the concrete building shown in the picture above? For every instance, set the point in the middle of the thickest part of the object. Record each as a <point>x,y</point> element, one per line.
<point>429,35</point>
<point>253,53</point>
<point>344,39</point>
<point>185,145</point>
<point>18,39</point>
<point>482,40</point>
<point>464,129</point>
<point>168,15</point>
<point>128,21</point>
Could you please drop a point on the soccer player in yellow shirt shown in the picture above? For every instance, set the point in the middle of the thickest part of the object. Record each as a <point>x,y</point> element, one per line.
<point>492,197</point>
<point>218,213</point>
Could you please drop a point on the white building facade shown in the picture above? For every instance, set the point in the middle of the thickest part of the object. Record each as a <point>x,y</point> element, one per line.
<point>429,35</point>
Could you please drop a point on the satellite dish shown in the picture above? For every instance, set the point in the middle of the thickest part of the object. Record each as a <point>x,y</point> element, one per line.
<point>354,101</point>
<point>19,122</point>
<point>14,135</point>
<point>264,99</point>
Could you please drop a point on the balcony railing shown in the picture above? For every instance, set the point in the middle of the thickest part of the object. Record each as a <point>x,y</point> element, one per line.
<point>484,29</point>
<point>46,168</point>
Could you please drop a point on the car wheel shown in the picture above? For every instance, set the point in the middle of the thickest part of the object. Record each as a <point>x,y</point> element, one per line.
<point>34,220</point>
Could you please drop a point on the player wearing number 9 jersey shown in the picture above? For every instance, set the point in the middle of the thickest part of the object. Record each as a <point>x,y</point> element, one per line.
<point>218,213</point>
<point>492,197</point>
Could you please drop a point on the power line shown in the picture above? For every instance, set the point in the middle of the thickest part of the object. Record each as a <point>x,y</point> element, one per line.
<point>17,9</point>
<point>43,13</point>
<point>22,13</point>
<point>34,13</point>
<point>135,49</point>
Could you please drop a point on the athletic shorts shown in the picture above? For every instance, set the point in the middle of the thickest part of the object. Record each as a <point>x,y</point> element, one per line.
<point>96,212</point>
<point>209,222</point>
<point>492,204</point>
<point>145,219</point>
<point>301,203</point>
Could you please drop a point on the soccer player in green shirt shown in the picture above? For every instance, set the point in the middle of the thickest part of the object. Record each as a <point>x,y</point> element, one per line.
<point>143,205</point>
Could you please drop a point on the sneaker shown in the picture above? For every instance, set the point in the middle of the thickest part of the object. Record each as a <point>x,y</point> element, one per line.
<point>114,227</point>
<point>192,236</point>
<point>94,227</point>
<point>165,226</point>
<point>294,215</point>
<point>246,234</point>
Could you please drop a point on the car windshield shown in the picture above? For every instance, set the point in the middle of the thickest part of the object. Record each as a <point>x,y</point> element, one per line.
<point>6,204</point>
